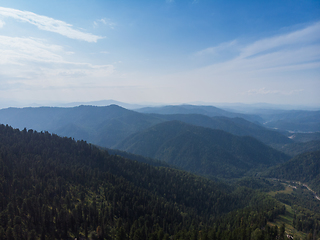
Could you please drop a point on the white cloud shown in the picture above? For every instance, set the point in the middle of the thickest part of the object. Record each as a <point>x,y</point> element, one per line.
<point>2,23</point>
<point>34,63</point>
<point>298,48</point>
<point>49,24</point>
<point>218,49</point>
<point>16,50</point>
<point>264,91</point>
<point>104,21</point>
<point>274,69</point>
<point>298,38</point>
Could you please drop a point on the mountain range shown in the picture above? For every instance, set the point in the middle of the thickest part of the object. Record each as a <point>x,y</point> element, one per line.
<point>202,150</point>
<point>107,126</point>
<point>54,187</point>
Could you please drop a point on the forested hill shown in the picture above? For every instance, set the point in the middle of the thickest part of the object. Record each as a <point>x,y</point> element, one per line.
<point>202,150</point>
<point>198,109</point>
<point>237,126</point>
<point>57,188</point>
<point>107,126</point>
<point>104,126</point>
<point>304,168</point>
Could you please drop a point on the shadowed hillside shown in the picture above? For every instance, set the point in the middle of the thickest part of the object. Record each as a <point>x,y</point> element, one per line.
<point>57,188</point>
<point>104,126</point>
<point>202,150</point>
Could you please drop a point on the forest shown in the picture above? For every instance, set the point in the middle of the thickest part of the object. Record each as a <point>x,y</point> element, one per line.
<point>59,188</point>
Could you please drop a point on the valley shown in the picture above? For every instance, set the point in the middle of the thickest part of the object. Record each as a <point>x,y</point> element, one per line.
<point>113,173</point>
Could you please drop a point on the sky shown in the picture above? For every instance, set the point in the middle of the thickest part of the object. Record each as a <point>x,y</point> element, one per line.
<point>160,51</point>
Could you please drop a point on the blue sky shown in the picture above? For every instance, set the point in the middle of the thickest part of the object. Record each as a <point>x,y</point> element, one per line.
<point>160,51</point>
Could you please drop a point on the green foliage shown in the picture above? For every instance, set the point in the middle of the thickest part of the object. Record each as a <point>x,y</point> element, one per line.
<point>294,149</point>
<point>304,168</point>
<point>294,120</point>
<point>260,184</point>
<point>57,188</point>
<point>201,150</point>
<point>104,126</point>
<point>236,126</point>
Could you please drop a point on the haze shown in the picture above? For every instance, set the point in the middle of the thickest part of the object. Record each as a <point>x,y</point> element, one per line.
<point>170,51</point>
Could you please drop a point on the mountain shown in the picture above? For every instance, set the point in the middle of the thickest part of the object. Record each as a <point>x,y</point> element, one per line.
<point>107,126</point>
<point>194,109</point>
<point>58,188</point>
<point>104,126</point>
<point>202,150</point>
<point>293,120</point>
<point>138,158</point>
<point>304,137</point>
<point>304,168</point>
<point>102,103</point>
<point>294,149</point>
<point>236,126</point>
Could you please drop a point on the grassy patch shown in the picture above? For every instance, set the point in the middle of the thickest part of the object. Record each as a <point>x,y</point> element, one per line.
<point>287,190</point>
<point>287,219</point>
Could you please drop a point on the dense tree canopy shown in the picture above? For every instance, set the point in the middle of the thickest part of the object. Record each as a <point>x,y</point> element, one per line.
<point>53,188</point>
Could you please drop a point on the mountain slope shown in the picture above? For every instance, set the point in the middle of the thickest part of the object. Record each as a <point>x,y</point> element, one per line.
<point>107,126</point>
<point>194,109</point>
<point>236,126</point>
<point>103,126</point>
<point>294,120</point>
<point>304,167</point>
<point>202,150</point>
<point>294,149</point>
<point>57,188</point>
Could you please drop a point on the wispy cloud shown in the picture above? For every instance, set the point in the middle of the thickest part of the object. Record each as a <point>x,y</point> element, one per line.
<point>32,62</point>
<point>298,48</point>
<point>217,49</point>
<point>16,50</point>
<point>299,38</point>
<point>2,23</point>
<point>273,68</point>
<point>49,24</point>
<point>104,21</point>
<point>264,91</point>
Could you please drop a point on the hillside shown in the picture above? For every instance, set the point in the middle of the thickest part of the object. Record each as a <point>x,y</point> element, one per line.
<point>294,149</point>
<point>236,126</point>
<point>57,188</point>
<point>293,120</point>
<point>210,111</point>
<point>107,126</point>
<point>304,168</point>
<point>104,126</point>
<point>202,150</point>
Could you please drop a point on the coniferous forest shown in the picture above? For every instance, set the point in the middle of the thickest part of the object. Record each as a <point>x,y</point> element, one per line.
<point>59,188</point>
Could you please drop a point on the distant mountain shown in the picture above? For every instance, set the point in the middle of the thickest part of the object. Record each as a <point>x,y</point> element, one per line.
<point>103,103</point>
<point>294,120</point>
<point>107,126</point>
<point>294,149</point>
<point>304,137</point>
<point>304,168</point>
<point>202,150</point>
<point>104,126</point>
<point>236,126</point>
<point>194,109</point>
